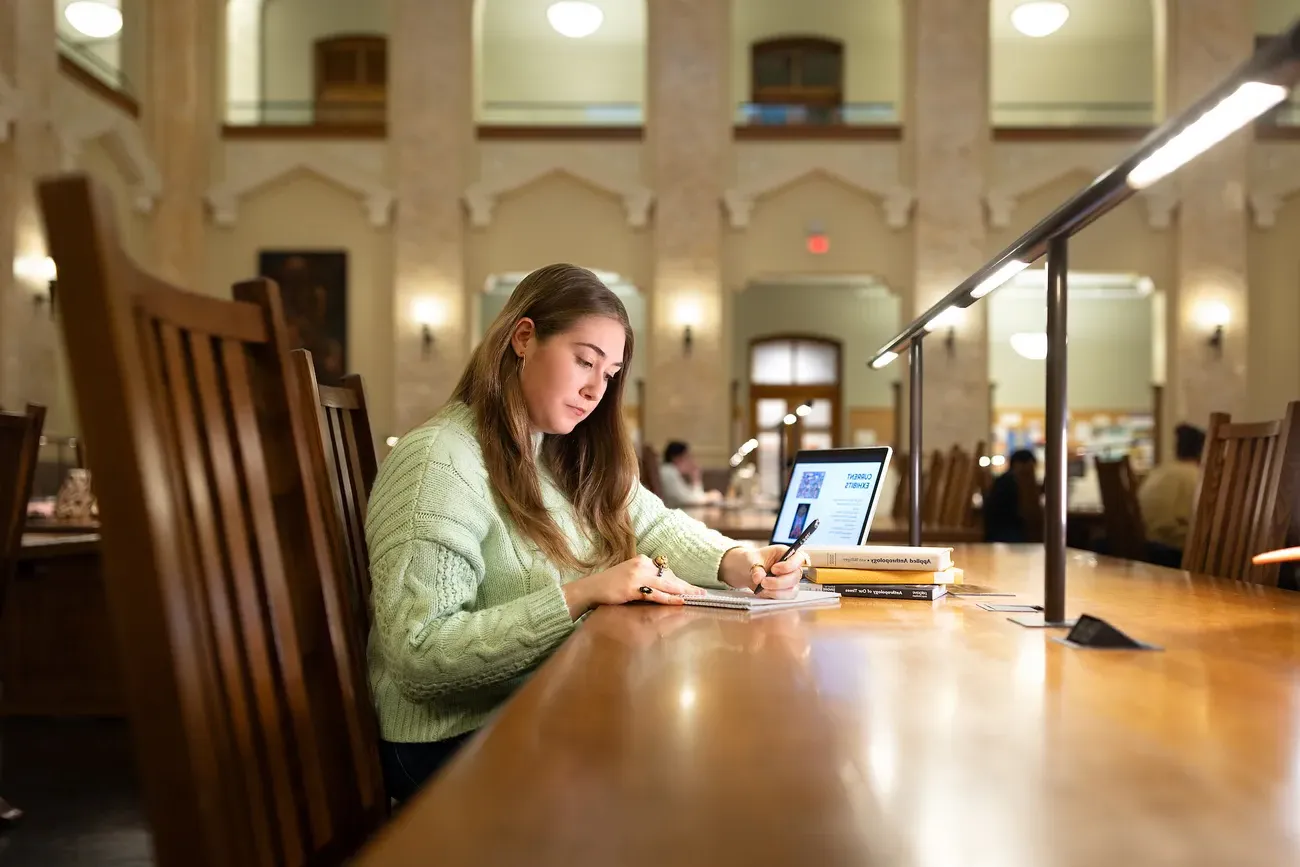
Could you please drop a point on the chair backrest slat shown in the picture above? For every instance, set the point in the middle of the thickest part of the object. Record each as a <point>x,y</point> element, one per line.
<point>347,458</point>
<point>241,653</point>
<point>649,461</point>
<point>960,487</point>
<point>1121,513</point>
<point>933,483</point>
<point>1244,496</point>
<point>903,491</point>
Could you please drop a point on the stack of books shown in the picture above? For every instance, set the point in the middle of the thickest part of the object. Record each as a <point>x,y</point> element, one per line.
<point>882,571</point>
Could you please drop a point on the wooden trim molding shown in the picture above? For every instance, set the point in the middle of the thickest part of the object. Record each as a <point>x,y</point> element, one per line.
<point>1270,132</point>
<point>78,73</point>
<point>499,132</point>
<point>297,131</point>
<point>1070,133</point>
<point>810,132</point>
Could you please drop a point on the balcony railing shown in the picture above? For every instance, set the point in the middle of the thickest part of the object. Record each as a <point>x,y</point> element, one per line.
<point>275,113</point>
<point>845,114</point>
<point>1285,115</point>
<point>630,115</point>
<point>558,113</point>
<point>1072,114</point>
<point>1256,87</point>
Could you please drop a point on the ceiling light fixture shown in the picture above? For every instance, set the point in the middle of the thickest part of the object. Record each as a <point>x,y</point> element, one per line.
<point>1030,344</point>
<point>94,19</point>
<point>1040,18</point>
<point>575,18</point>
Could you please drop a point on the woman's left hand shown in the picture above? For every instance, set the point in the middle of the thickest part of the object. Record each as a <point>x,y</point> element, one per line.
<point>758,569</point>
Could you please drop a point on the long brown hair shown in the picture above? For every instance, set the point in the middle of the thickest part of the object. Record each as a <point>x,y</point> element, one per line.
<point>594,465</point>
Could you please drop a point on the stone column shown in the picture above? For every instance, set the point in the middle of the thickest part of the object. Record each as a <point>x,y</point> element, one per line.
<point>29,364</point>
<point>178,114</point>
<point>945,146</point>
<point>1205,40</point>
<point>431,141</point>
<point>687,151</point>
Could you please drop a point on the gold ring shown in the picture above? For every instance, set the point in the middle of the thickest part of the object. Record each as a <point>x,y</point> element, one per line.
<point>661,563</point>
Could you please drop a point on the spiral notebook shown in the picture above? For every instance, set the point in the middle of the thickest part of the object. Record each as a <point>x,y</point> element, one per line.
<point>747,601</point>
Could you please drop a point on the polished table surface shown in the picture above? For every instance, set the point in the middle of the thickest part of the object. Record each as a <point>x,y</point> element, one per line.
<point>894,732</point>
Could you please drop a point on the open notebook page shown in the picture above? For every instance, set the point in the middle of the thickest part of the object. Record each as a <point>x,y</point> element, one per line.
<point>744,599</point>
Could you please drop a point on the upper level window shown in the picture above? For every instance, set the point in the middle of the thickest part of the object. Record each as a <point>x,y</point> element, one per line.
<point>351,79</point>
<point>803,73</point>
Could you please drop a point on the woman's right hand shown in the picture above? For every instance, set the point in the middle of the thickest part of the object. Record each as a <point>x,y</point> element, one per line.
<point>623,583</point>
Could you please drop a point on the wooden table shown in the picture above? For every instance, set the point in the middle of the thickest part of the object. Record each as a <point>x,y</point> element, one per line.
<point>749,524</point>
<point>892,732</point>
<point>56,643</point>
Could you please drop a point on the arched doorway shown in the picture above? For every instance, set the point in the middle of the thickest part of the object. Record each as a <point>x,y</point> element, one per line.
<point>785,371</point>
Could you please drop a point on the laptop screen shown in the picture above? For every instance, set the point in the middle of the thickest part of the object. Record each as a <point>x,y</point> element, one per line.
<point>839,488</point>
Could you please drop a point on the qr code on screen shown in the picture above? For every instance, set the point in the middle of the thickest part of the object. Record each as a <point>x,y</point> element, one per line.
<point>810,485</point>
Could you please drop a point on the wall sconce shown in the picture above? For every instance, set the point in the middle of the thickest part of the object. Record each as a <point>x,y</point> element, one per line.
<point>1214,317</point>
<point>41,272</point>
<point>427,314</point>
<point>688,317</point>
<point>950,319</point>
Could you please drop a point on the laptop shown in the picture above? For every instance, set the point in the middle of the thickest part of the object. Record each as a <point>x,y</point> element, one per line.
<point>840,488</point>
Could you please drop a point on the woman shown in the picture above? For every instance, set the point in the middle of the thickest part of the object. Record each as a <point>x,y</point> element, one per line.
<point>514,511</point>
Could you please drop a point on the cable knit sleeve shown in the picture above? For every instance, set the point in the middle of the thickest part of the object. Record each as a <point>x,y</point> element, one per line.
<point>427,569</point>
<point>694,551</point>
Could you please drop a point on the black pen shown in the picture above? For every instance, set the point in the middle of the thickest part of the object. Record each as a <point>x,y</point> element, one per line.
<point>794,549</point>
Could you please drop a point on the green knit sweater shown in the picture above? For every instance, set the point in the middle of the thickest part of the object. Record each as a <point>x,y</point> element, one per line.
<point>464,605</point>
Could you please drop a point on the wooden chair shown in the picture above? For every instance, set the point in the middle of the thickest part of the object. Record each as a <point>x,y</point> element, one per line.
<point>1122,516</point>
<point>959,488</point>
<point>350,466</point>
<point>902,493</point>
<point>20,442</point>
<point>255,738</point>
<point>1030,492</point>
<point>933,483</point>
<point>1245,496</point>
<point>650,471</point>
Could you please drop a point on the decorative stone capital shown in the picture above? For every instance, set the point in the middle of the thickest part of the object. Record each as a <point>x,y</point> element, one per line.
<point>739,207</point>
<point>224,207</point>
<point>379,208</point>
<point>637,205</point>
<point>1161,202</point>
<point>999,207</point>
<point>480,204</point>
<point>1264,207</point>
<point>898,207</point>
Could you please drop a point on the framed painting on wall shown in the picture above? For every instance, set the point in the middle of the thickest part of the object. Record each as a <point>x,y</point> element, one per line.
<point>314,286</point>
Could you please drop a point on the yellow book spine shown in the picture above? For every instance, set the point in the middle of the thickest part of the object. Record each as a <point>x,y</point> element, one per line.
<point>880,576</point>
